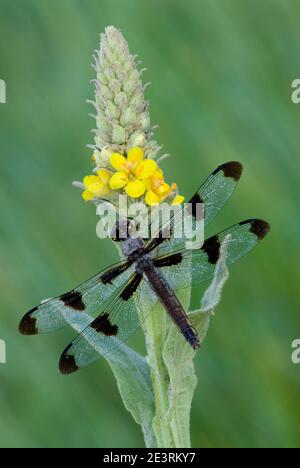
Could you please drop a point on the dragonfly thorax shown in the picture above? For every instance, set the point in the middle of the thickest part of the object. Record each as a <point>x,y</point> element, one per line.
<point>134,250</point>
<point>132,247</point>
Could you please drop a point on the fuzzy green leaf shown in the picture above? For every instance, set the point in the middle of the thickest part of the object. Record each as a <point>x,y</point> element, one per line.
<point>178,357</point>
<point>155,330</point>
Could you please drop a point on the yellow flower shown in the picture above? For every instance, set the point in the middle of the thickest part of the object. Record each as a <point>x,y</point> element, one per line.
<point>158,189</point>
<point>178,200</point>
<point>132,172</point>
<point>96,185</point>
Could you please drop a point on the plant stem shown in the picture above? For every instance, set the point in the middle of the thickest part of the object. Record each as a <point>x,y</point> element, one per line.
<point>155,328</point>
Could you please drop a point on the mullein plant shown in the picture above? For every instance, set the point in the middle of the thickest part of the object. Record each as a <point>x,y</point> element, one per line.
<point>156,389</point>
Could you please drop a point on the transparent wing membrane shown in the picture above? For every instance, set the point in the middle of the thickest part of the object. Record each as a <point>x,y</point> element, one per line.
<point>213,194</point>
<point>114,325</point>
<point>88,297</point>
<point>199,265</point>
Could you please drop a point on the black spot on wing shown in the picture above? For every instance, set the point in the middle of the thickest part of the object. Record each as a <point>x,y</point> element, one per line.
<point>27,325</point>
<point>194,207</point>
<point>258,227</point>
<point>212,248</point>
<point>73,299</point>
<point>131,287</point>
<point>196,198</point>
<point>168,260</point>
<point>102,325</point>
<point>67,363</point>
<point>109,275</point>
<point>231,169</point>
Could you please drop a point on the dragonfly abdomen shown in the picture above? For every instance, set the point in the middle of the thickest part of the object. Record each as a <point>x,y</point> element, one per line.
<point>172,305</point>
<point>191,336</point>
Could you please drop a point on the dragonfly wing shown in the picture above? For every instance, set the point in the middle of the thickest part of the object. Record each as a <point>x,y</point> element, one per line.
<point>218,188</point>
<point>213,194</point>
<point>111,328</point>
<point>185,266</point>
<point>87,297</point>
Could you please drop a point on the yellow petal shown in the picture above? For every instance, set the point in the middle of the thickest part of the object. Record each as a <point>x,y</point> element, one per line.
<point>157,179</point>
<point>135,189</point>
<point>90,179</point>
<point>87,195</point>
<point>151,198</point>
<point>146,169</point>
<point>98,189</point>
<point>158,174</point>
<point>104,175</point>
<point>118,161</point>
<point>178,200</point>
<point>148,183</point>
<point>135,154</point>
<point>118,180</point>
<point>163,190</point>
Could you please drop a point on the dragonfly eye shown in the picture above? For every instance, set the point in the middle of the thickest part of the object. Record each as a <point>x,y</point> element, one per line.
<point>133,227</point>
<point>122,230</point>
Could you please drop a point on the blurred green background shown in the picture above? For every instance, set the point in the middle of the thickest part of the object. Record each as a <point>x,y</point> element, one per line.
<point>221,76</point>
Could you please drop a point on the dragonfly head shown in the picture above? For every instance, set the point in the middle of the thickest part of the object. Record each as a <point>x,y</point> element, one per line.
<point>126,233</point>
<point>123,229</point>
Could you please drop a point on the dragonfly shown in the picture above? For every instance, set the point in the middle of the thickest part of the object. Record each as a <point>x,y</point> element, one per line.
<point>158,267</point>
